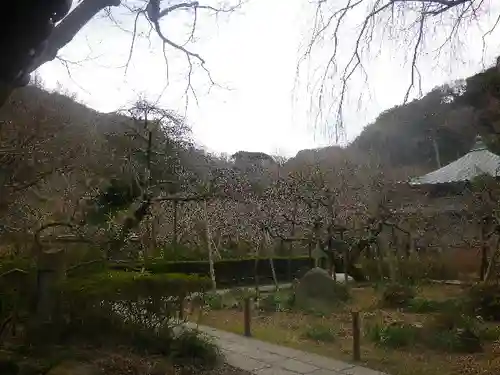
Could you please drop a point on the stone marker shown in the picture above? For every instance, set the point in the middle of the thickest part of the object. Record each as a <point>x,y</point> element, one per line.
<point>316,290</point>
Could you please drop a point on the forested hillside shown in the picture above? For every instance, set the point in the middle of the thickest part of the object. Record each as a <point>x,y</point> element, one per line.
<point>58,157</point>
<point>413,134</point>
<point>441,126</point>
<point>139,173</point>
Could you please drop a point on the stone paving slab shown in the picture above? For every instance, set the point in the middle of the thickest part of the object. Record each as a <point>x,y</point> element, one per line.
<point>324,363</point>
<point>262,358</point>
<point>245,363</point>
<point>275,371</point>
<point>297,366</point>
<point>358,370</point>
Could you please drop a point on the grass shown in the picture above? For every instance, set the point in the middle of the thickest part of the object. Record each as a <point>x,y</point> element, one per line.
<point>319,333</point>
<point>289,328</point>
<point>393,336</point>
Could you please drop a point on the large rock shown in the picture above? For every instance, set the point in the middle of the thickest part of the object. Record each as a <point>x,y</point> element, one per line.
<point>74,368</point>
<point>317,291</point>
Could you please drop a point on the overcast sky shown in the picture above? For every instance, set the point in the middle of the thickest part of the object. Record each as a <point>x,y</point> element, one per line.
<point>255,54</point>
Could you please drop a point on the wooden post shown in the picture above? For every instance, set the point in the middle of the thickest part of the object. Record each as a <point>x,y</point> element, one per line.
<point>51,270</point>
<point>356,336</point>
<point>246,317</point>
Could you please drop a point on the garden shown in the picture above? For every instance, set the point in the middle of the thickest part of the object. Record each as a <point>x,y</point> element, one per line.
<point>415,327</point>
<point>96,320</point>
<point>106,274</point>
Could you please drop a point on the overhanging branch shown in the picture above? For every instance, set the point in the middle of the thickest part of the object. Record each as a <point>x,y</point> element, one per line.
<point>66,30</point>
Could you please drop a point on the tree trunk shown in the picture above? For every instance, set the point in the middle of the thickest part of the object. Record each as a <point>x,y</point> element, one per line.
<point>484,255</point>
<point>256,270</point>
<point>271,261</point>
<point>209,247</point>
<point>380,259</point>
<point>290,246</point>
<point>333,271</point>
<point>152,245</point>
<point>331,257</point>
<point>129,224</point>
<point>484,262</point>
<point>174,239</point>
<point>309,250</point>
<point>346,264</point>
<point>273,271</point>
<point>67,29</point>
<point>493,261</point>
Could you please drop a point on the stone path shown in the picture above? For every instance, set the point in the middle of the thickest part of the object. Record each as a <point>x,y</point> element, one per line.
<point>262,358</point>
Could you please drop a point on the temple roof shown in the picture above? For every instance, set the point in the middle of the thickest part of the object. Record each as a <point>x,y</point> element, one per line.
<point>477,162</point>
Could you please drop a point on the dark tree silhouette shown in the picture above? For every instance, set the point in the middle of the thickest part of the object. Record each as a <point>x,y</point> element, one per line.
<point>33,31</point>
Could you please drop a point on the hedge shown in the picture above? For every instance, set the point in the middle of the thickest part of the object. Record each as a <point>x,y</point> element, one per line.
<point>128,307</point>
<point>117,285</point>
<point>230,272</point>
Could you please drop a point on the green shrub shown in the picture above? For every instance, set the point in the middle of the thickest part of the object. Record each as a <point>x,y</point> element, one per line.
<point>10,263</point>
<point>453,331</point>
<point>395,335</point>
<point>422,306</point>
<point>319,333</point>
<point>230,272</point>
<point>117,285</point>
<point>127,305</point>
<point>214,301</point>
<point>397,295</point>
<point>483,299</point>
<point>459,340</point>
<point>375,270</point>
<point>447,332</point>
<point>290,300</point>
<point>241,293</point>
<point>17,286</point>
<point>145,339</point>
<point>447,320</point>
<point>87,268</point>
<point>194,349</point>
<point>276,301</point>
<point>489,333</point>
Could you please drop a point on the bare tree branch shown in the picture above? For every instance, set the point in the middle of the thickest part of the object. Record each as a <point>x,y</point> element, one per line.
<point>132,43</point>
<point>408,21</point>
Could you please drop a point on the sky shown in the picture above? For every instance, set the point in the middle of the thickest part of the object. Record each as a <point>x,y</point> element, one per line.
<point>253,55</point>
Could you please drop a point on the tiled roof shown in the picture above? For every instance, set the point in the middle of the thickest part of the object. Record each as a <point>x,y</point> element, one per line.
<point>477,162</point>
